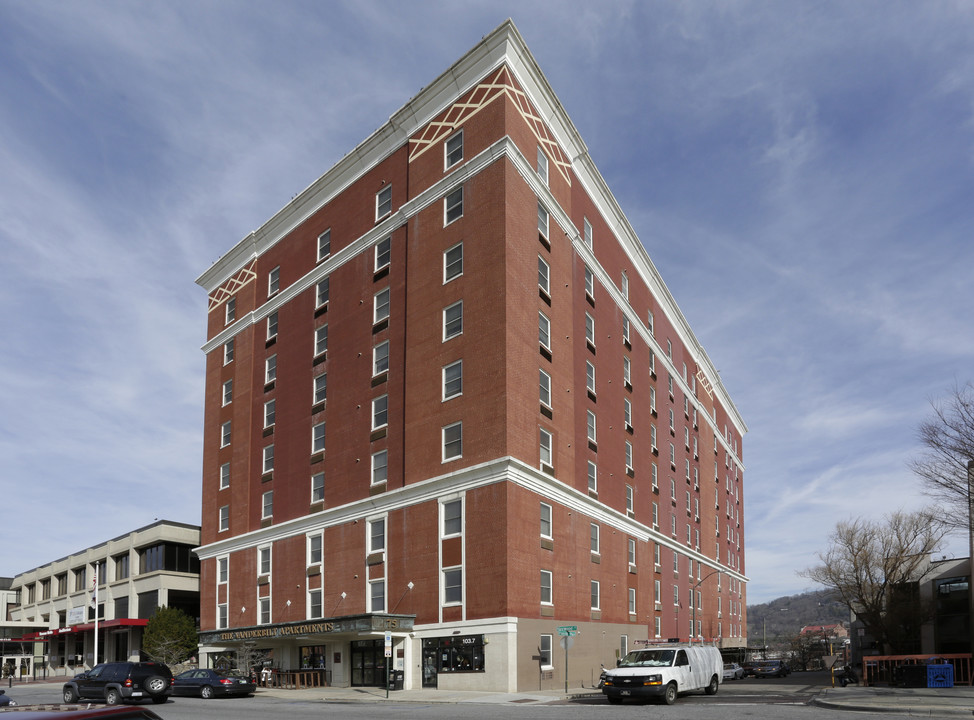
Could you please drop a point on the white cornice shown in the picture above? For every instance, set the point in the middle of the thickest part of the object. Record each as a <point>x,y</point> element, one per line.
<point>506,469</point>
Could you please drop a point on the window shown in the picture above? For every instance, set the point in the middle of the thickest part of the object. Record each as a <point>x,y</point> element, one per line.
<point>324,244</point>
<point>380,306</point>
<point>590,377</point>
<point>380,467</point>
<point>652,436</point>
<point>629,465</point>
<point>626,370</point>
<point>269,413</point>
<point>318,488</point>
<point>542,221</point>
<point>321,340</point>
<point>544,331</point>
<point>314,604</point>
<point>591,425</point>
<point>589,283</point>
<point>594,585</point>
<point>632,552</point>
<point>453,320</point>
<point>267,505</point>
<point>268,459</point>
<point>383,253</point>
<point>224,522</point>
<point>231,310</point>
<point>544,385</point>
<point>270,369</point>
<point>452,518</point>
<point>544,650</point>
<point>649,322</point>
<point>273,281</point>
<point>263,610</point>
<point>669,349</point>
<point>542,165</point>
<point>318,438</point>
<point>264,560</point>
<point>545,444</point>
<point>544,272</point>
<point>546,597</point>
<point>676,594</point>
<point>227,392</point>
<point>589,329</point>
<point>587,232</point>
<point>624,285</point>
<point>377,535</point>
<point>656,517</point>
<point>221,617</point>
<point>380,358</point>
<point>627,412</point>
<point>594,538</point>
<point>453,149</point>
<point>658,626</point>
<point>377,596</point>
<point>320,393</point>
<point>321,292</point>
<point>453,263</point>
<point>225,434</point>
<point>652,400</point>
<point>629,498</point>
<point>224,476</point>
<point>593,477</point>
<point>625,330</point>
<point>380,412</point>
<point>453,380</point>
<point>453,206</point>
<point>314,549</point>
<point>632,601</point>
<point>453,441</point>
<point>223,570</point>
<point>383,202</point>
<point>228,352</point>
<point>546,521</point>
<point>452,586</point>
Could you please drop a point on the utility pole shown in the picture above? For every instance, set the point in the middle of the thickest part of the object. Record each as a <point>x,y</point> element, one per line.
<point>970,557</point>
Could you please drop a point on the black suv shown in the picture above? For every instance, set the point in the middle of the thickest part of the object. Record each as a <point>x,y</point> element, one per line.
<point>118,681</point>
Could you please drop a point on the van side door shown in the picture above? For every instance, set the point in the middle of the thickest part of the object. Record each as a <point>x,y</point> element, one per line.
<point>682,671</point>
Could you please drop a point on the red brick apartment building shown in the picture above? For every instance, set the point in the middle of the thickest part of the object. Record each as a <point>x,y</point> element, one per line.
<point>450,402</point>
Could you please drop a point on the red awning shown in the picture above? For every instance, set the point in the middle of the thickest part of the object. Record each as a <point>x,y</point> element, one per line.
<point>104,624</point>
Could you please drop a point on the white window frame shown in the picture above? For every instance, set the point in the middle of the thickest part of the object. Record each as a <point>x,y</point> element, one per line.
<point>324,245</point>
<point>383,253</point>
<point>589,283</point>
<point>228,392</point>
<point>373,606</point>
<point>318,438</point>
<point>383,203</point>
<point>322,292</point>
<point>321,340</point>
<point>268,459</point>
<point>223,522</point>
<point>318,487</point>
<point>591,430</point>
<point>380,355</point>
<point>453,206</point>
<point>587,233</point>
<point>544,331</point>
<point>453,148</point>
<point>590,329</point>
<point>546,451</point>
<point>547,517</point>
<point>632,601</point>
<point>458,442</point>
<point>267,505</point>
<point>228,351</point>
<point>452,327</point>
<point>226,434</point>
<point>230,310</point>
<point>590,377</point>
<point>543,220</point>
<point>265,560</point>
<point>595,591</point>
<point>270,413</point>
<point>380,467</point>
<point>319,388</point>
<point>593,477</point>
<point>372,524</point>
<point>381,306</point>
<point>544,388</point>
<point>224,476</point>
<point>624,285</point>
<point>456,382</point>
<point>274,281</point>
<point>547,575</point>
<point>270,370</point>
<point>544,276</point>
<point>223,569</point>
<point>263,610</point>
<point>542,165</point>
<point>315,539</point>
<point>595,537</point>
<point>380,412</point>
<point>459,519</point>
<point>452,267</point>
<point>451,572</point>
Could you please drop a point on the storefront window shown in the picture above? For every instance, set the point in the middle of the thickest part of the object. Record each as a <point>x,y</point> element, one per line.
<point>312,656</point>
<point>457,654</point>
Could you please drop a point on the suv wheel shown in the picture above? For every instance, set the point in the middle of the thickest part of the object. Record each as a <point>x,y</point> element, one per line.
<point>70,695</point>
<point>156,685</point>
<point>112,696</point>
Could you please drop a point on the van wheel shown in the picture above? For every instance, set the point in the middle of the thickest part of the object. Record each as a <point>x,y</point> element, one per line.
<point>112,697</point>
<point>669,697</point>
<point>712,687</point>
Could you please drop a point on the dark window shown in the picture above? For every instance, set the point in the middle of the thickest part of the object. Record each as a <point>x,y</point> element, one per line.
<point>172,557</point>
<point>457,654</point>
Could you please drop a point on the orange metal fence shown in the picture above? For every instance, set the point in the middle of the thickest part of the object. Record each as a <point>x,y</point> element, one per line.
<point>879,669</point>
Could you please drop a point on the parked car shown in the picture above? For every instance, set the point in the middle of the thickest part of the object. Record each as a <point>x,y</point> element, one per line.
<point>116,682</point>
<point>733,671</point>
<point>770,668</point>
<point>78,712</point>
<point>206,683</point>
<point>664,672</point>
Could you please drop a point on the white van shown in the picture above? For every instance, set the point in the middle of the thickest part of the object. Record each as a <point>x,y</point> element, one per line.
<point>664,672</point>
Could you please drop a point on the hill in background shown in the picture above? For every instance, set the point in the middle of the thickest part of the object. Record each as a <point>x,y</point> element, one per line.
<point>782,619</point>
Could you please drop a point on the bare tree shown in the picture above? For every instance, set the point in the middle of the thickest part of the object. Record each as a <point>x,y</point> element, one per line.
<point>873,567</point>
<point>948,439</point>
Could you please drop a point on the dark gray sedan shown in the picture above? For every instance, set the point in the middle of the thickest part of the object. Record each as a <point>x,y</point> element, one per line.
<point>207,684</point>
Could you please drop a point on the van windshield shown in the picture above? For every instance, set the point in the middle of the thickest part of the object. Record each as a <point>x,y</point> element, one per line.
<point>648,658</point>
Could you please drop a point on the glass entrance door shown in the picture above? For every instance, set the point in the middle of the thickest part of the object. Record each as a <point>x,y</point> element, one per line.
<point>368,663</point>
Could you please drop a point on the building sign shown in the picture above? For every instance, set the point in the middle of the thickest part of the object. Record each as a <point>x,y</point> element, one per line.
<point>350,624</point>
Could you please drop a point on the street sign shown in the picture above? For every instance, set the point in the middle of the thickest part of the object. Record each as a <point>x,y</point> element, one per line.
<point>568,630</point>
<point>388,644</point>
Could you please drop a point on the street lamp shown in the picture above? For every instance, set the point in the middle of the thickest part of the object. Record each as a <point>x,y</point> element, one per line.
<point>693,603</point>
<point>970,556</point>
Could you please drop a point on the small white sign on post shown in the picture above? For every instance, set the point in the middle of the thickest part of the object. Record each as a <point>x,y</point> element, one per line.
<point>388,644</point>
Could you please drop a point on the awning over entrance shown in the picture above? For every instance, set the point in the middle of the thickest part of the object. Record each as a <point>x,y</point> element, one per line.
<point>346,624</point>
<point>102,625</point>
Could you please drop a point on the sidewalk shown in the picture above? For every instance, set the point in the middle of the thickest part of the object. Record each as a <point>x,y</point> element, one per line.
<point>930,702</point>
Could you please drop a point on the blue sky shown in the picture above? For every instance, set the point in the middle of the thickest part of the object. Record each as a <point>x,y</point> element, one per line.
<point>801,173</point>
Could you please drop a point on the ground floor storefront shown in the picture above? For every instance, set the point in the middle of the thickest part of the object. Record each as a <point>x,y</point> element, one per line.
<point>72,649</point>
